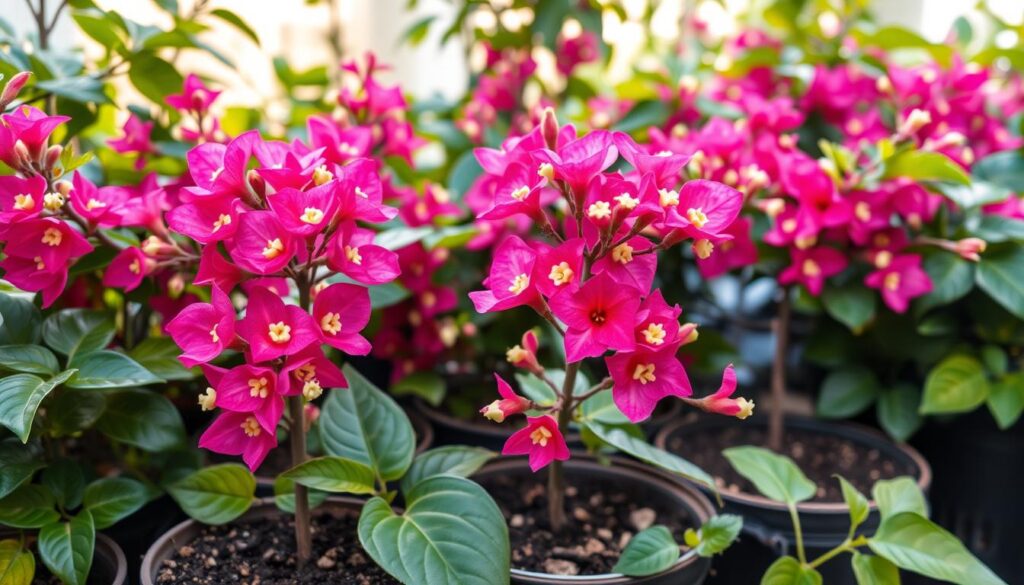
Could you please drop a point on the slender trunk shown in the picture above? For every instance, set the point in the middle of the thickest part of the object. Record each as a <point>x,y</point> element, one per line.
<point>780,327</point>
<point>297,440</point>
<point>556,474</point>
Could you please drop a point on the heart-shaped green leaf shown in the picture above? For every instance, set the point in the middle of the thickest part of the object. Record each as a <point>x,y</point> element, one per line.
<point>364,424</point>
<point>113,499</point>
<point>31,359</point>
<point>66,548</point>
<point>777,477</point>
<point>217,494</point>
<point>789,571</point>
<point>452,533</point>
<point>998,275</point>
<point>109,369</point>
<point>17,565</point>
<point>718,534</point>
<point>333,474</point>
<point>29,506</point>
<point>159,355</point>
<point>644,451</point>
<point>914,543</point>
<point>142,418</point>
<point>78,331</point>
<point>901,494</point>
<point>448,460</point>
<point>873,570</point>
<point>649,552</point>
<point>20,397</point>
<point>957,384</point>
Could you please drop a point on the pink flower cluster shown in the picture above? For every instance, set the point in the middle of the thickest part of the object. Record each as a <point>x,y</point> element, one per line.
<point>594,278</point>
<point>266,215</point>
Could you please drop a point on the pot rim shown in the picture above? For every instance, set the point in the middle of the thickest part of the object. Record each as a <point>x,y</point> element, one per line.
<point>700,507</point>
<point>861,434</point>
<point>150,562</point>
<point>120,573</point>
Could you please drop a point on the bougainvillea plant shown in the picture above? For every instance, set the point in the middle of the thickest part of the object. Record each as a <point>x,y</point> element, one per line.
<point>897,536</point>
<point>592,281</point>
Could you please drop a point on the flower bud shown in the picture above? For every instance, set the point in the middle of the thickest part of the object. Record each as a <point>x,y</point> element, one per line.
<point>256,183</point>
<point>509,404</point>
<point>525,355</point>
<point>176,285</point>
<point>549,128</point>
<point>688,333</point>
<point>13,87</point>
<point>22,157</point>
<point>64,188</point>
<point>52,158</point>
<point>916,120</point>
<point>971,248</point>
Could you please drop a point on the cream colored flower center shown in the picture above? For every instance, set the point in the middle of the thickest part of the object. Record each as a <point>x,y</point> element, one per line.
<point>273,249</point>
<point>883,259</point>
<point>644,373</point>
<point>862,210</point>
<point>52,237</point>
<point>521,193</point>
<point>311,390</point>
<point>312,215</point>
<point>321,175</point>
<point>654,334</point>
<point>623,253</point>
<point>208,400</point>
<point>519,284</point>
<point>540,436</point>
<point>561,273</point>
<point>697,217</point>
<point>789,225</point>
<point>810,268</point>
<point>892,281</point>
<point>353,255</point>
<point>516,354</point>
<point>24,202</point>
<point>135,267</point>
<point>279,332</point>
<point>53,201</point>
<point>626,201</point>
<point>599,210</point>
<point>305,372</point>
<point>259,387</point>
<point>703,248</point>
<point>94,204</point>
<point>213,334</point>
<point>668,197</point>
<point>251,427</point>
<point>223,220</point>
<point>331,323</point>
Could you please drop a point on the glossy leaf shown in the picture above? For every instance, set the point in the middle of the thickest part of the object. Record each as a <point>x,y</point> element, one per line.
<point>644,451</point>
<point>153,77</point>
<point>284,495</point>
<point>777,477</point>
<point>847,392</point>
<point>333,474</point>
<point>144,419</point>
<point>914,543</point>
<point>925,166</point>
<point>17,464</point>
<point>159,355</point>
<point>649,552</point>
<point>895,496</point>
<point>20,321</point>
<point>364,424</point>
<point>952,277</point>
<point>998,274</point>
<point>788,571</point>
<point>31,359</point>
<point>957,384</point>
<point>601,408</point>
<point>427,385</point>
<point>852,305</point>
<point>1006,399</point>
<point>72,411</point>
<point>20,397</point>
<point>109,369</point>
<point>17,565</point>
<point>237,22</point>
<point>855,501</point>
<point>66,548</point>
<point>874,570</point>
<point>451,533</point>
<point>113,499</point>
<point>66,481</point>
<point>897,411</point>
<point>718,534</point>
<point>448,460</point>
<point>29,506</point>
<point>217,494</point>
<point>74,331</point>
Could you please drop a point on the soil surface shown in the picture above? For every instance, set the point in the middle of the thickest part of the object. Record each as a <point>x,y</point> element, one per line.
<point>602,519</point>
<point>262,552</point>
<point>820,456</point>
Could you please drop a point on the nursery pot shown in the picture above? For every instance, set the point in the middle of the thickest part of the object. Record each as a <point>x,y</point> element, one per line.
<point>109,566</point>
<point>767,526</point>
<point>643,484</point>
<point>186,532</point>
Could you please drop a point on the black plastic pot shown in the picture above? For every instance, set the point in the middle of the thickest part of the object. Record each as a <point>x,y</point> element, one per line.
<point>187,531</point>
<point>978,484</point>
<point>648,485</point>
<point>109,566</point>
<point>767,526</point>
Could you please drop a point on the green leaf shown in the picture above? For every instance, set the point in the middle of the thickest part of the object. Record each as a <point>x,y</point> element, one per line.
<point>789,571</point>
<point>995,229</point>
<point>648,453</point>
<point>74,331</point>
<point>66,548</point>
<point>449,460</point>
<point>66,481</point>
<point>284,495</point>
<point>217,494</point>
<point>17,464</point>
<point>952,277</point>
<point>159,355</point>
<point>453,236</point>
<point>644,115</point>
<point>113,499</point>
<point>895,496</point>
<point>776,476</point>
<point>17,566</point>
<point>872,570</point>
<point>999,274</point>
<point>33,359</point>
<point>29,506</point>
<point>957,384</point>
<point>913,543</point>
<point>1005,169</point>
<point>144,419</point>
<point>538,391</point>
<point>364,424</point>
<point>649,552</point>
<point>897,411</point>
<point>19,321</point>
<point>237,22</point>
<point>20,397</point>
<point>718,534</point>
<point>109,369</point>
<point>925,166</point>
<point>83,89</point>
<point>74,410</point>
<point>400,237</point>
<point>847,392</point>
<point>333,474</point>
<point>852,305</point>
<point>463,174</point>
<point>415,34</point>
<point>601,408</point>
<point>100,29</point>
<point>855,501</point>
<point>1006,399</point>
<point>452,533</point>
<point>976,194</point>
<point>154,78</point>
<point>427,385</point>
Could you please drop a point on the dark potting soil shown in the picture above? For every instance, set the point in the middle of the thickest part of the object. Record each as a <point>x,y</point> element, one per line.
<point>262,552</point>
<point>602,520</point>
<point>820,456</point>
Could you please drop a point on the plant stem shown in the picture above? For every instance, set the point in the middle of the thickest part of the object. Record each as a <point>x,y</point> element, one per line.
<point>780,326</point>
<point>556,475</point>
<point>297,440</point>
<point>799,534</point>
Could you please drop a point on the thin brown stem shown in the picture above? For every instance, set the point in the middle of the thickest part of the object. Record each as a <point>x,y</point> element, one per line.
<point>603,385</point>
<point>780,326</point>
<point>297,443</point>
